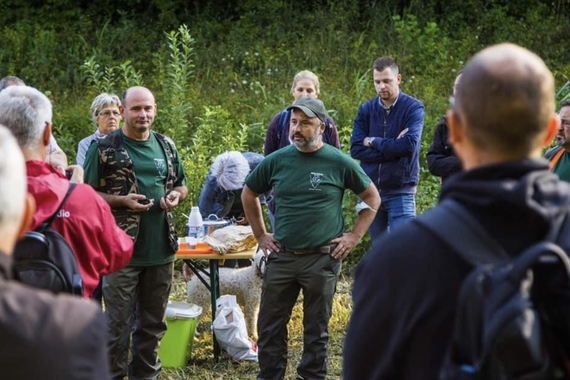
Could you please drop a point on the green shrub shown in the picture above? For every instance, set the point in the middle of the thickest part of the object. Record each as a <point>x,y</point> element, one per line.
<point>221,71</point>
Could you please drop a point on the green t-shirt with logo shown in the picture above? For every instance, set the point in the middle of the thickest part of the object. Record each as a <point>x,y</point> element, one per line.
<point>308,190</point>
<point>150,166</point>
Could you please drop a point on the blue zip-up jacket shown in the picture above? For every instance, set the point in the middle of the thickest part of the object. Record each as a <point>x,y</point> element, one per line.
<point>392,163</point>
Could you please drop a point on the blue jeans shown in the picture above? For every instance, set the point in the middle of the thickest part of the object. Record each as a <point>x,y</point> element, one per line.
<point>394,210</point>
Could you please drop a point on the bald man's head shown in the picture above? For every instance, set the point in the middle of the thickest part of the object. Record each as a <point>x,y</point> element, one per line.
<point>506,99</point>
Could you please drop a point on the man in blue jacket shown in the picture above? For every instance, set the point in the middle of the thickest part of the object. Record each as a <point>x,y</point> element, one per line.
<point>406,288</point>
<point>386,139</point>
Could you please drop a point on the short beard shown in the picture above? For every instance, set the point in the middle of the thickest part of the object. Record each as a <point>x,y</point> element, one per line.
<point>306,144</point>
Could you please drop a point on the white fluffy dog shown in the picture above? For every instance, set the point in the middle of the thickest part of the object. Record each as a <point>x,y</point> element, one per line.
<point>244,283</point>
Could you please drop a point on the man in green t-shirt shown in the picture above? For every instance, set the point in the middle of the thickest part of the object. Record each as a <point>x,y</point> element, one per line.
<point>308,179</point>
<point>138,172</point>
<point>559,156</point>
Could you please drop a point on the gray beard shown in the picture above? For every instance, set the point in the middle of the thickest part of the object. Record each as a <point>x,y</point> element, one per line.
<point>306,145</point>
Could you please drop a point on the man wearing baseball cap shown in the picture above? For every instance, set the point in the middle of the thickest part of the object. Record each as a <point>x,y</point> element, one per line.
<point>309,242</point>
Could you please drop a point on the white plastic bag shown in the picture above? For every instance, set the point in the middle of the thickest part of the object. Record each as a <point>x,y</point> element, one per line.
<point>231,331</point>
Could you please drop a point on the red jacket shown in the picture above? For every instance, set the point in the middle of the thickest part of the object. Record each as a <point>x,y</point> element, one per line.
<point>86,223</point>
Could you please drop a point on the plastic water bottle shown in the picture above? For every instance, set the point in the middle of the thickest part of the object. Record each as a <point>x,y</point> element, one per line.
<point>195,227</point>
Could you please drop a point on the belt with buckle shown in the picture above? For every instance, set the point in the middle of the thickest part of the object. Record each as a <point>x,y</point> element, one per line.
<point>322,250</point>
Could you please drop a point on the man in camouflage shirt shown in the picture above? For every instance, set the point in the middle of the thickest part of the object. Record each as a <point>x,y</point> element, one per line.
<point>138,172</point>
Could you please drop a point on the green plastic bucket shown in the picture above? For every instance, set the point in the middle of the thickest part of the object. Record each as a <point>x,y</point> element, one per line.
<point>181,320</point>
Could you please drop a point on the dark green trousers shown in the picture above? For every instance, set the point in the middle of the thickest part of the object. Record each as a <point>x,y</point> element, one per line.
<point>135,304</point>
<point>285,276</point>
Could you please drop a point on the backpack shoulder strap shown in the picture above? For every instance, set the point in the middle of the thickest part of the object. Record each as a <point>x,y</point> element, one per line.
<point>560,233</point>
<point>328,131</point>
<point>48,222</point>
<point>452,223</point>
<point>555,158</point>
<point>284,117</point>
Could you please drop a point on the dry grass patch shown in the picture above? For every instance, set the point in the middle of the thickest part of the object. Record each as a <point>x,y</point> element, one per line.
<point>201,365</point>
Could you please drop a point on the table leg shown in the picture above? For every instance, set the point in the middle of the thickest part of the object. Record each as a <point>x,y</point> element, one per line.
<point>215,293</point>
<point>213,285</point>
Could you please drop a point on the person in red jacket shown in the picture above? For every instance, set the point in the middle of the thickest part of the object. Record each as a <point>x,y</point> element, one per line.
<point>44,336</point>
<point>85,221</point>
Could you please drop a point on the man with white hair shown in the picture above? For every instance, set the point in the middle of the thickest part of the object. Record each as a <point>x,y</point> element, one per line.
<point>85,220</point>
<point>43,336</point>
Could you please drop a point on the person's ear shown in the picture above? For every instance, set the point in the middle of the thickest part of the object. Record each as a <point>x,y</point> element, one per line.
<point>456,133</point>
<point>29,211</point>
<point>47,134</point>
<point>551,130</point>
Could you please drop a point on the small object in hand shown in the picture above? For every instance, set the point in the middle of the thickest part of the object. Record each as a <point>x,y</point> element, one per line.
<point>68,173</point>
<point>144,201</point>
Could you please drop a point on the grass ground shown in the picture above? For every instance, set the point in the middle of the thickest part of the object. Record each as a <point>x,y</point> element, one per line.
<point>201,365</point>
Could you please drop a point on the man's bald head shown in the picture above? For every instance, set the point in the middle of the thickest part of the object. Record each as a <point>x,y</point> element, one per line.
<point>136,91</point>
<point>506,99</point>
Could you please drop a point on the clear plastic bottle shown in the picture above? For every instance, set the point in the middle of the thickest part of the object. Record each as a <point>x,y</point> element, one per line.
<point>195,227</point>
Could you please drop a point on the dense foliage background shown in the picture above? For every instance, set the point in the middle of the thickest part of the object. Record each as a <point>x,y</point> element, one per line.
<point>220,69</point>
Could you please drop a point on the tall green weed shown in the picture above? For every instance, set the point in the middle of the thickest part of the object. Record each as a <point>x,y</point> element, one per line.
<point>228,67</point>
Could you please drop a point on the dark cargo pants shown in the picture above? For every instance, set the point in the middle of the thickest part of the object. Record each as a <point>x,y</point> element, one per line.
<point>135,303</point>
<point>286,275</point>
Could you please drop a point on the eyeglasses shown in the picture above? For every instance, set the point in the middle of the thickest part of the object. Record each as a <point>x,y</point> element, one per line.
<point>109,113</point>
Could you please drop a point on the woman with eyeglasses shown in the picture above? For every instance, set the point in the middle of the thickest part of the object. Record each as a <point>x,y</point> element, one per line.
<point>106,114</point>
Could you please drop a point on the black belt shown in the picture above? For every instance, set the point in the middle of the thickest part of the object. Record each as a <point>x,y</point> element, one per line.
<point>322,250</point>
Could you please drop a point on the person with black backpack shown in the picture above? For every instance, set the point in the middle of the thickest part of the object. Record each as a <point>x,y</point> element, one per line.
<point>74,220</point>
<point>44,336</point>
<point>478,287</point>
<point>140,174</point>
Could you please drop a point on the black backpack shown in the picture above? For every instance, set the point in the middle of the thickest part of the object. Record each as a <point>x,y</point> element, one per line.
<point>43,259</point>
<point>513,313</point>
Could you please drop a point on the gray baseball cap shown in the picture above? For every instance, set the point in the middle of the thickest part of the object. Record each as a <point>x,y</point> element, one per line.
<point>311,107</point>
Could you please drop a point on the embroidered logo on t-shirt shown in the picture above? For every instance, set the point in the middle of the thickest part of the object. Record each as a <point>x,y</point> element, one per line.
<point>160,167</point>
<point>316,179</point>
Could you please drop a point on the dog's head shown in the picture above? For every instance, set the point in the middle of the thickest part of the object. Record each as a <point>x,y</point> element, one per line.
<point>260,261</point>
